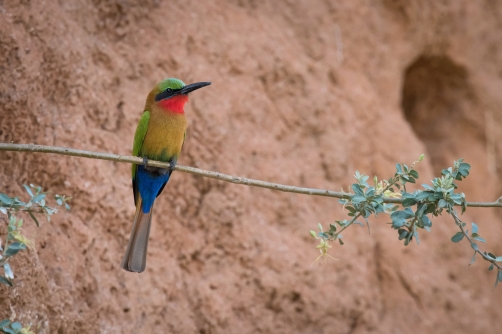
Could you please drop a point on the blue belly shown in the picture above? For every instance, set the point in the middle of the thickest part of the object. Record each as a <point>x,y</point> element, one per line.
<point>150,182</point>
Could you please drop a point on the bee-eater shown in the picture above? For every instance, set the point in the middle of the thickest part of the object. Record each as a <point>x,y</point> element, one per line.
<point>159,136</point>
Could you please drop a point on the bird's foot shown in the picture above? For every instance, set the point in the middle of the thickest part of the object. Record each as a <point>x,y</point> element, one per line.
<point>172,164</point>
<point>145,162</point>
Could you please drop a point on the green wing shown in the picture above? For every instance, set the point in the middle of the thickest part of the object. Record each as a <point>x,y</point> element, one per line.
<point>139,136</point>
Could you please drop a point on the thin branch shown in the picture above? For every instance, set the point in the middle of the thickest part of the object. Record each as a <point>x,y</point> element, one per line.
<point>349,224</point>
<point>485,257</point>
<point>200,172</point>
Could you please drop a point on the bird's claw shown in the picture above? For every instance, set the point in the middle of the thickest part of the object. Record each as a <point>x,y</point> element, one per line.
<point>172,164</point>
<point>145,162</point>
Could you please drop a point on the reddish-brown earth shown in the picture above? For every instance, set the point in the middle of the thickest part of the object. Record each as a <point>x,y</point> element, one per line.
<point>303,93</point>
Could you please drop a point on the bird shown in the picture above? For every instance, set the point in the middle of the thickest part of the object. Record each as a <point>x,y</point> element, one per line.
<point>159,135</point>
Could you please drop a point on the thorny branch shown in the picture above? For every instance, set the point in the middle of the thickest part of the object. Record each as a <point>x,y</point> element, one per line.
<point>476,250</point>
<point>201,172</point>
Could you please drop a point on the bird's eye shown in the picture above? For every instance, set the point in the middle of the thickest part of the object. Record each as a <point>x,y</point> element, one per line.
<point>169,90</point>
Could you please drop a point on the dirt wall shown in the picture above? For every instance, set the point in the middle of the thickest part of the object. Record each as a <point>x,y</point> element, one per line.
<point>302,93</point>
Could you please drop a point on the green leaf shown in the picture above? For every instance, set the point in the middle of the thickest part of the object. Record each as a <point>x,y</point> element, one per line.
<point>457,237</point>
<point>357,189</point>
<point>457,198</point>
<point>14,248</point>
<point>464,169</point>
<point>500,276</point>
<point>422,195</point>
<point>34,218</point>
<point>480,239</point>
<point>8,271</point>
<point>474,228</point>
<point>498,258</point>
<point>442,203</point>
<point>473,258</point>
<point>313,234</point>
<point>356,199</point>
<point>4,322</point>
<point>28,190</point>
<point>491,255</point>
<point>427,222</point>
<point>8,330</point>
<point>399,170</point>
<point>340,241</point>
<point>5,281</point>
<point>408,195</point>
<point>38,198</point>
<point>427,187</point>
<point>490,268</point>
<point>398,222</point>
<point>464,205</point>
<point>414,173</point>
<point>402,233</point>
<point>409,202</point>
<point>16,326</point>
<point>5,199</point>
<point>474,246</point>
<point>402,214</point>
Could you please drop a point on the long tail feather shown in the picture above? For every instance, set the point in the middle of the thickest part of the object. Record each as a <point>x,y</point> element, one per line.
<point>135,256</point>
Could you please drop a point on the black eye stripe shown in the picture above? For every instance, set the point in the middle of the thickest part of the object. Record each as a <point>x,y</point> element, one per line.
<point>169,92</point>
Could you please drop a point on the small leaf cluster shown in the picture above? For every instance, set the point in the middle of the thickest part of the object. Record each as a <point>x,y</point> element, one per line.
<point>431,200</point>
<point>418,207</point>
<point>365,201</point>
<point>474,234</point>
<point>493,259</point>
<point>36,203</point>
<point>15,240</point>
<point>8,327</point>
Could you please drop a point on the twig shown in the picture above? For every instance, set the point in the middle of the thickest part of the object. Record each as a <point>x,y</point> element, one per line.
<point>349,224</point>
<point>485,257</point>
<point>200,172</point>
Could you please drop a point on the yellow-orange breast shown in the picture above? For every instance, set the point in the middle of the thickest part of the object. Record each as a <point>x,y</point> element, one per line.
<point>165,135</point>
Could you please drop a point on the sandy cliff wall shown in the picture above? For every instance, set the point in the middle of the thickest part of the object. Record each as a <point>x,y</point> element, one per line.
<point>303,93</point>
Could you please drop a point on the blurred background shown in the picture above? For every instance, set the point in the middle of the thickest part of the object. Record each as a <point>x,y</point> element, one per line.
<point>303,93</point>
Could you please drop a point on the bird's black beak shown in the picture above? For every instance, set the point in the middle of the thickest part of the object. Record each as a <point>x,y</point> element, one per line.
<point>168,93</point>
<point>191,87</point>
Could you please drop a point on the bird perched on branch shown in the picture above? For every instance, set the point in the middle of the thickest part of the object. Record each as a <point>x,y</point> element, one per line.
<point>159,136</point>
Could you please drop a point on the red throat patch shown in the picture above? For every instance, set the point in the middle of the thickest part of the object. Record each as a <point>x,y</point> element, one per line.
<point>174,104</point>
